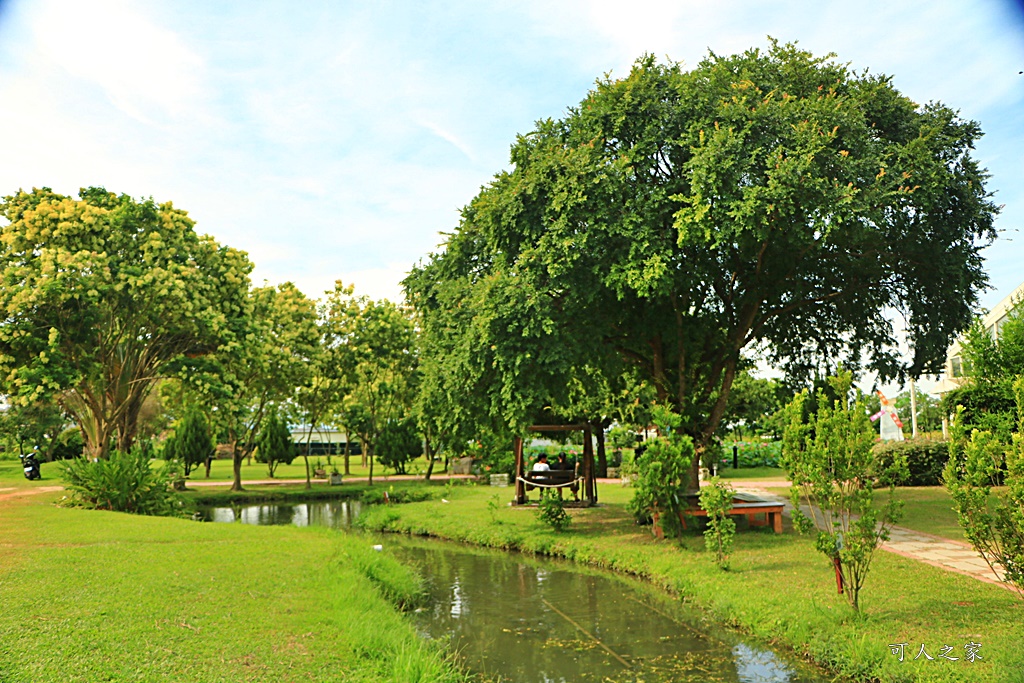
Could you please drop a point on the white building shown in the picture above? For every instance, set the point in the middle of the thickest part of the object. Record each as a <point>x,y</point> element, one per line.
<point>953,376</point>
<point>323,441</point>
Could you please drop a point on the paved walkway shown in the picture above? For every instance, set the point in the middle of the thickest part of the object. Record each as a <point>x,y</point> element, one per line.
<point>954,556</point>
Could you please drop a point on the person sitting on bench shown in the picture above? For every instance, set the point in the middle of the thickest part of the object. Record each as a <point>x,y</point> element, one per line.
<point>565,464</point>
<point>542,464</point>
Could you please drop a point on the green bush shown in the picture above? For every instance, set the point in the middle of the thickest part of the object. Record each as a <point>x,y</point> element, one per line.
<point>716,500</point>
<point>123,483</point>
<point>376,496</point>
<point>661,474</point>
<point>753,453</point>
<point>552,512</point>
<point>926,458</point>
<point>992,518</point>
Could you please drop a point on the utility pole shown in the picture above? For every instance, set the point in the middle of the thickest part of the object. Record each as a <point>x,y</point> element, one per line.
<point>913,409</point>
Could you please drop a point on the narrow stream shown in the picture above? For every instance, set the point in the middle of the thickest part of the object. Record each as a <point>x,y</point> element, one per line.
<point>515,618</point>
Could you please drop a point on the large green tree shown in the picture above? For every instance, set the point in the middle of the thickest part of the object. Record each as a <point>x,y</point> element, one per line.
<point>376,339</point>
<point>104,295</point>
<point>673,219</point>
<point>239,384</point>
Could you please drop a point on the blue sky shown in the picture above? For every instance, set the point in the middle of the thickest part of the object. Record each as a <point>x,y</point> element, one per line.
<point>338,140</point>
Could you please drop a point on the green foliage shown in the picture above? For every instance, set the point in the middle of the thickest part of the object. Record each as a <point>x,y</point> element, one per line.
<point>492,508</point>
<point>674,219</point>
<point>125,482</point>
<point>191,443</point>
<point>375,496</point>
<point>69,445</point>
<point>829,459</point>
<point>716,500</point>
<point>551,511</point>
<point>621,437</point>
<point>39,423</point>
<point>103,296</point>
<point>374,344</point>
<point>239,384</point>
<point>661,474</point>
<point>992,519</point>
<point>991,366</point>
<point>929,411</point>
<point>925,459</point>
<point>752,453</point>
<point>274,444</point>
<point>399,442</point>
<point>752,403</point>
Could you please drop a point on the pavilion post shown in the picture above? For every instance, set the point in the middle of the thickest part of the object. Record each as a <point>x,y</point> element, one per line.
<point>517,449</point>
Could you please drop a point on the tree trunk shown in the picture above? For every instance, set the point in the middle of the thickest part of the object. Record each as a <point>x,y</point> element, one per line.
<point>236,464</point>
<point>309,446</point>
<point>602,456</point>
<point>209,462</point>
<point>348,447</point>
<point>430,456</point>
<point>368,453</point>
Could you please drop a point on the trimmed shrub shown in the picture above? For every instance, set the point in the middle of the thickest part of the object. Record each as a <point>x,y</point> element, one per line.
<point>925,459</point>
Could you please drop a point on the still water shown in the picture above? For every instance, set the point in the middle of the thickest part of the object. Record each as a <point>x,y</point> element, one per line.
<point>515,618</point>
<point>336,514</point>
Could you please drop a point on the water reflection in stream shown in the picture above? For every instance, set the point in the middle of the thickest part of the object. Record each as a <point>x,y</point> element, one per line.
<point>336,514</point>
<point>520,619</point>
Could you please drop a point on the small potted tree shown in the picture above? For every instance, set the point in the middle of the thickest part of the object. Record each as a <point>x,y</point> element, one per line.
<point>335,479</point>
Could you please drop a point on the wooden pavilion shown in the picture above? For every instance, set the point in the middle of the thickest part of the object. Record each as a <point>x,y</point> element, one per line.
<point>588,472</point>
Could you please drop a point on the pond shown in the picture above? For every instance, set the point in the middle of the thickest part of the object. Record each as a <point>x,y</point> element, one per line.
<point>521,619</point>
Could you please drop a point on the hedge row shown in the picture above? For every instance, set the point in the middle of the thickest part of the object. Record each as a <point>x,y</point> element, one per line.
<point>925,459</point>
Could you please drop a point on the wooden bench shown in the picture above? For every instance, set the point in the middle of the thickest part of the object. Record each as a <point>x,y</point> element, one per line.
<point>771,511</point>
<point>549,478</point>
<point>562,479</point>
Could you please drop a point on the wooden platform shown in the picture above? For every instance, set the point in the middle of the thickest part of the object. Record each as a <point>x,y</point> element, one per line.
<point>751,507</point>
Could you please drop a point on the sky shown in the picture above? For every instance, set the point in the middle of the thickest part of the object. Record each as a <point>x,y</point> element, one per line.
<point>339,140</point>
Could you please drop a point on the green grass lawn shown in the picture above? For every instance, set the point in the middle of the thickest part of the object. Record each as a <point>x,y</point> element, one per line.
<point>928,509</point>
<point>779,587</point>
<point>98,596</point>
<point>752,473</point>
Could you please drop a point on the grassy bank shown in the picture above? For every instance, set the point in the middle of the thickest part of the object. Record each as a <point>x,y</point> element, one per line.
<point>779,589</point>
<point>91,596</point>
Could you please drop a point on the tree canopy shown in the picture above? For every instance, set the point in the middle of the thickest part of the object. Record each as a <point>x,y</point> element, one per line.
<point>104,295</point>
<point>773,200</point>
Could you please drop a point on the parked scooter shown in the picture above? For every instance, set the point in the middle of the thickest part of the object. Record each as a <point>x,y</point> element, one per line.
<point>31,465</point>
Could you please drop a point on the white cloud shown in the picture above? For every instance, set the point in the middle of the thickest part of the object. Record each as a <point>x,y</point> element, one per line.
<point>144,69</point>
